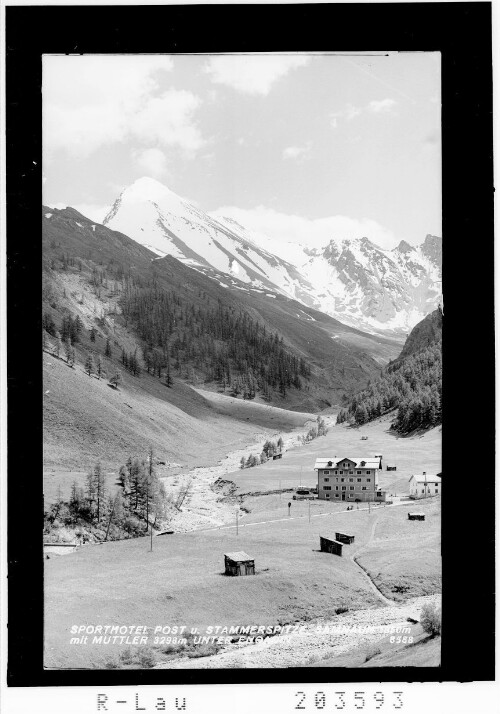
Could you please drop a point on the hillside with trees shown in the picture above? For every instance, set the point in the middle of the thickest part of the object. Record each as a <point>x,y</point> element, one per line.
<point>427,332</point>
<point>412,384</point>
<point>185,325</point>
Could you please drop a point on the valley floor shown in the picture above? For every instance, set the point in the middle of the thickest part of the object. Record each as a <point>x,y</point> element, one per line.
<point>181,582</point>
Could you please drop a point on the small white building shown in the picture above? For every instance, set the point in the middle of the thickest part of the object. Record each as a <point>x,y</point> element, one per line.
<point>424,485</point>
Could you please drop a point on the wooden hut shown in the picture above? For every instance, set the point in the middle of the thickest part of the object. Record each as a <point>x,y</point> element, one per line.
<point>391,468</point>
<point>330,545</point>
<point>239,563</point>
<point>277,456</point>
<point>416,516</point>
<point>344,538</point>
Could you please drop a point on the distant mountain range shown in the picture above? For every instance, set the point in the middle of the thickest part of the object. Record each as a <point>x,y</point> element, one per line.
<point>362,285</point>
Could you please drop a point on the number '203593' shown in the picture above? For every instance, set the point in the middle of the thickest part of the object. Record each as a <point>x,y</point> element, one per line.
<point>348,701</point>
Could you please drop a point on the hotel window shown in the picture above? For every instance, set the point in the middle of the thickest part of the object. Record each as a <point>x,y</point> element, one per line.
<point>437,489</point>
<point>379,493</point>
<point>351,488</point>
<point>351,472</point>
<point>336,495</point>
<point>336,488</point>
<point>327,488</point>
<point>342,480</point>
<point>351,480</point>
<point>326,480</point>
<point>368,480</point>
<point>326,473</point>
<point>358,472</point>
<point>363,488</point>
<point>358,480</point>
<point>368,472</point>
<point>341,472</point>
<point>327,495</point>
<point>343,488</point>
<point>346,466</point>
<point>335,472</point>
<point>336,480</point>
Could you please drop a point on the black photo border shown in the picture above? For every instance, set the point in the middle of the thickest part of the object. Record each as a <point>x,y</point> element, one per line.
<point>462,33</point>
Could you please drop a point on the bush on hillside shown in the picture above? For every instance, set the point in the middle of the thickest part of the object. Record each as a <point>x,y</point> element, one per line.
<point>430,619</point>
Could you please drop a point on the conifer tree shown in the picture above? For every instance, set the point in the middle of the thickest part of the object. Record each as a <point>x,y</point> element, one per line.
<point>58,345</point>
<point>99,489</point>
<point>89,364</point>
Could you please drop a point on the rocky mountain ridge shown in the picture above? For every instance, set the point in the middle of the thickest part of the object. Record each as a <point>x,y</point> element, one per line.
<point>356,281</point>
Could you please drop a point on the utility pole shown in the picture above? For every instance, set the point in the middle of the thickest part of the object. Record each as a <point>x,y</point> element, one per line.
<point>309,503</point>
<point>236,521</point>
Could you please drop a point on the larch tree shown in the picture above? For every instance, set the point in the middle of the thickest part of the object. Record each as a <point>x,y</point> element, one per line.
<point>99,368</point>
<point>89,364</point>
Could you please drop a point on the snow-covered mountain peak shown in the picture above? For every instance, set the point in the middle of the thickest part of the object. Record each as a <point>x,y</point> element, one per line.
<point>351,278</point>
<point>147,188</point>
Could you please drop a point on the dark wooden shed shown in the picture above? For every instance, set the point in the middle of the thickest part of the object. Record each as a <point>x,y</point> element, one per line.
<point>239,563</point>
<point>416,516</point>
<point>344,538</point>
<point>330,545</point>
<point>277,456</point>
<point>391,468</point>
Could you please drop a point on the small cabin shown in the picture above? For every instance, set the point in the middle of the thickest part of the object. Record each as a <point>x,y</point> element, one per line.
<point>416,516</point>
<point>277,456</point>
<point>330,545</point>
<point>239,564</point>
<point>391,468</point>
<point>364,438</point>
<point>344,538</point>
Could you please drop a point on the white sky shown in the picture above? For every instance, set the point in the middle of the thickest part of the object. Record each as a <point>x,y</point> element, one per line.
<point>303,147</point>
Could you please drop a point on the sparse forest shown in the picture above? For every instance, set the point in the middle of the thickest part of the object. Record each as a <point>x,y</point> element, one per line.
<point>224,345</point>
<point>92,513</point>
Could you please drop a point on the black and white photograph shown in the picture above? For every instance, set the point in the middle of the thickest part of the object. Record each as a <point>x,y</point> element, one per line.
<point>242,316</point>
<point>256,243</point>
